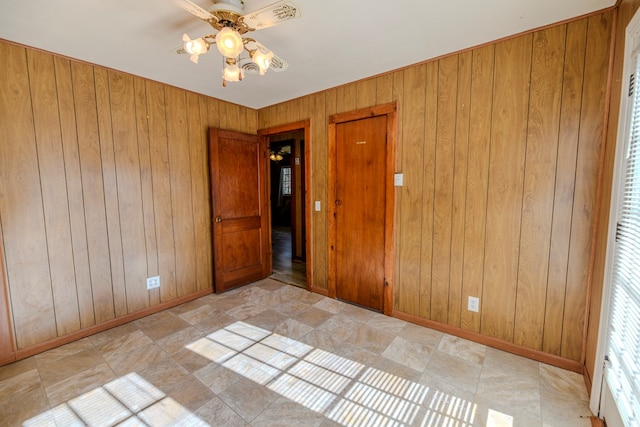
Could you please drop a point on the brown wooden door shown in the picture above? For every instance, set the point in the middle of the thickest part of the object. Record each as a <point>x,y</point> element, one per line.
<point>241,240</point>
<point>360,200</point>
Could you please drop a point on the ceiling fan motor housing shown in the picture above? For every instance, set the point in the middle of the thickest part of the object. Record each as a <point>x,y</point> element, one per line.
<point>233,6</point>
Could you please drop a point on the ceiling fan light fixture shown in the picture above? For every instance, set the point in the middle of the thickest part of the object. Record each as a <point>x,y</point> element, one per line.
<point>194,47</point>
<point>276,157</point>
<point>232,73</point>
<point>262,60</point>
<point>229,42</point>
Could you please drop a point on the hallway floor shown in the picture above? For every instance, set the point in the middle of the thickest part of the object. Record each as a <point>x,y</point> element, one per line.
<point>286,269</point>
<point>270,354</point>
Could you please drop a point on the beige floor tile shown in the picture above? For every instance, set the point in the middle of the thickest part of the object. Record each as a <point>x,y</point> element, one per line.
<point>124,344</point>
<point>189,360</point>
<point>79,383</point>
<point>563,397</point>
<point>215,320</point>
<point>314,317</point>
<point>17,368</point>
<point>136,359</point>
<point>371,339</point>
<point>217,413</point>
<point>412,354</point>
<point>101,339</point>
<point>66,350</point>
<point>55,370</point>
<point>459,372</point>
<point>176,341</point>
<point>267,319</point>
<point>295,358</point>
<point>422,335</point>
<point>25,404</point>
<point>463,349</point>
<point>217,377</point>
<point>285,413</point>
<point>292,328</point>
<point>246,399</point>
<point>161,324</point>
<point>12,388</point>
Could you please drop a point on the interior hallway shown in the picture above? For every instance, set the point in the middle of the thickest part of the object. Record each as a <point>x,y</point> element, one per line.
<point>285,268</point>
<point>271,354</point>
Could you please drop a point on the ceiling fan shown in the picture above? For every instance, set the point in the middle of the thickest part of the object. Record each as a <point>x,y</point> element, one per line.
<point>241,54</point>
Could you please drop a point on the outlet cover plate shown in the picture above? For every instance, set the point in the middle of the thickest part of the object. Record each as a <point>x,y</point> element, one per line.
<point>153,282</point>
<point>473,304</point>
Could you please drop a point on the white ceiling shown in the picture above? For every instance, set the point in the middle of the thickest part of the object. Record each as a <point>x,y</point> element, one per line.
<point>334,42</point>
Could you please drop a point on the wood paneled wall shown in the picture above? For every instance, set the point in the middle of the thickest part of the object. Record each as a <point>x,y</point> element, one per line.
<point>500,151</point>
<point>103,182</point>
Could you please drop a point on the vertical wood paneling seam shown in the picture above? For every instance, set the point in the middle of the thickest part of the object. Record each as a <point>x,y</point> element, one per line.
<point>192,183</point>
<point>454,135</point>
<point>84,209</point>
<point>466,182</point>
<point>486,199</point>
<point>44,221</point>
<point>144,228</point>
<point>575,177</point>
<point>524,181</point>
<point>173,228</point>
<point>117,193</point>
<point>555,186</point>
<point>433,178</point>
<point>64,163</point>
<point>424,150</point>
<point>598,195</point>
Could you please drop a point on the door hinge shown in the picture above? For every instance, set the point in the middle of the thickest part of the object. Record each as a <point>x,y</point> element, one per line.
<point>618,233</point>
<point>632,81</point>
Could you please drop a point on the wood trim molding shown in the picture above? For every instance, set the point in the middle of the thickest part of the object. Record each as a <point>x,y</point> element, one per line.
<point>23,353</point>
<point>321,291</point>
<point>499,344</point>
<point>599,190</point>
<point>308,199</point>
<point>7,339</point>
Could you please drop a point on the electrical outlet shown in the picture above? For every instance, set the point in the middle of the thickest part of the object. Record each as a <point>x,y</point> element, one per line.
<point>153,282</point>
<point>473,304</point>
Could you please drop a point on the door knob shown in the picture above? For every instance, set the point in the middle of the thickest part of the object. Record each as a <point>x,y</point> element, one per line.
<point>218,219</point>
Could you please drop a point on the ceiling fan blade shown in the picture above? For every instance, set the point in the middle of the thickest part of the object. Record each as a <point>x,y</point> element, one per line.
<point>195,10</point>
<point>274,14</point>
<point>278,64</point>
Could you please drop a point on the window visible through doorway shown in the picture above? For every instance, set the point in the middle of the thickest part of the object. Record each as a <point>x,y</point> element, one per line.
<point>285,181</point>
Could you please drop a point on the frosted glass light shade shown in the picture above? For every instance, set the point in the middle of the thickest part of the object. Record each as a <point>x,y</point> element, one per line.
<point>262,60</point>
<point>229,42</point>
<point>232,73</point>
<point>196,47</point>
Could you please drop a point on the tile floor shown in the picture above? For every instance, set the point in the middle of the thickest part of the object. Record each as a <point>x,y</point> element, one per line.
<point>271,354</point>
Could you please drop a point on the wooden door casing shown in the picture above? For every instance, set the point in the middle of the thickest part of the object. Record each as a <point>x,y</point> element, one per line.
<point>241,240</point>
<point>7,342</point>
<point>361,206</point>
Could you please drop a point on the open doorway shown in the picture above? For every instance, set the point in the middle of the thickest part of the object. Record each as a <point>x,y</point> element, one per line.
<point>287,204</point>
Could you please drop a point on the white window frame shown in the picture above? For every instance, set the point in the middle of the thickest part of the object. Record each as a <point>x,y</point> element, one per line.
<point>631,56</point>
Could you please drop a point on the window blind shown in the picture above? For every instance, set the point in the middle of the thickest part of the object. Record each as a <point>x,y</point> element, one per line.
<point>623,347</point>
